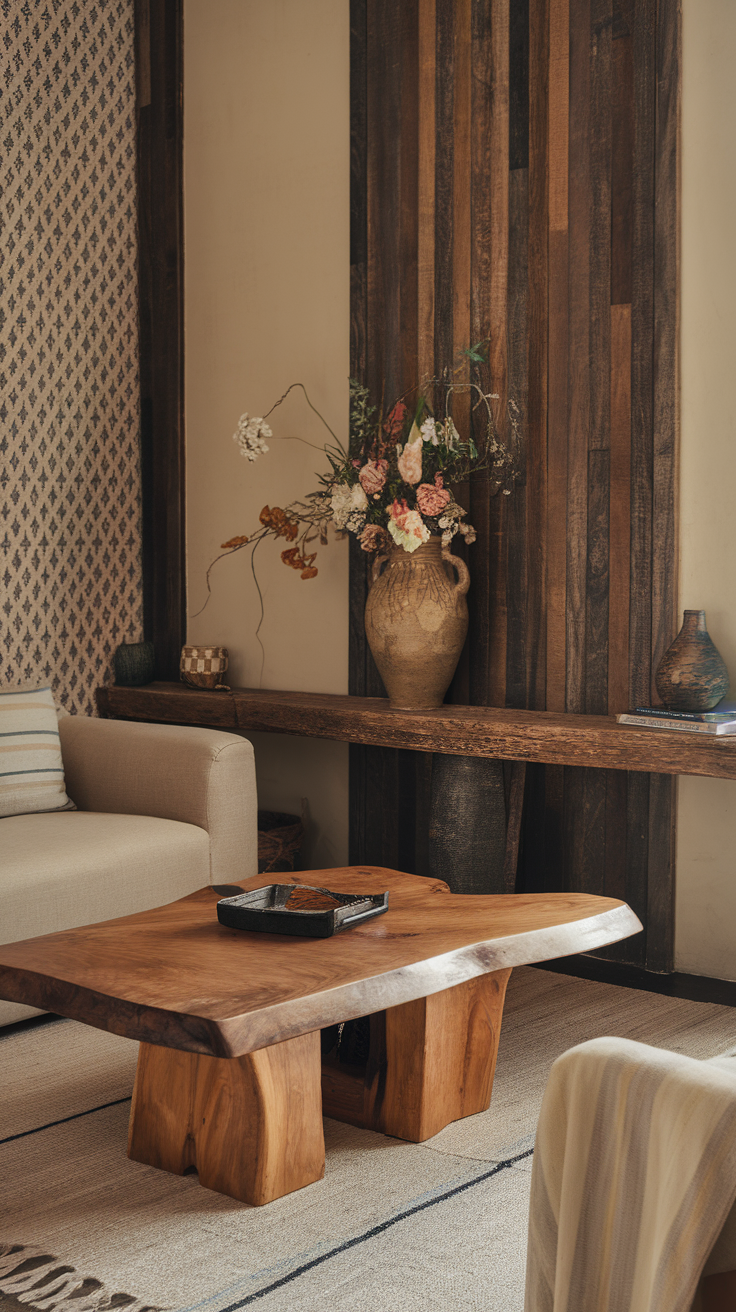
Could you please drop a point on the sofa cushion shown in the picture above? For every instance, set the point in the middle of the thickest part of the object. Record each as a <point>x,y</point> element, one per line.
<point>31,770</point>
<point>74,868</point>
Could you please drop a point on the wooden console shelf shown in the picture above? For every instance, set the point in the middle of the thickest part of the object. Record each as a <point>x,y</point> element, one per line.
<point>546,736</point>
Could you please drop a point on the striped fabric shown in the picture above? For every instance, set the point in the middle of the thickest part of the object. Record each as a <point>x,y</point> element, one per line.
<point>31,770</point>
<point>634,1175</point>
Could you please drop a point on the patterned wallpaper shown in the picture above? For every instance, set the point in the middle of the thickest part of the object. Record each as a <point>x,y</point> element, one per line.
<point>70,499</point>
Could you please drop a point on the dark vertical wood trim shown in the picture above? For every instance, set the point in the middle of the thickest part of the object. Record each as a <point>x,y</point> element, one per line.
<point>597,580</point>
<point>408,209</point>
<point>519,563</point>
<point>662,802</point>
<point>666,329</point>
<point>358,757</point>
<point>159,51</point>
<point>642,330</point>
<point>622,153</point>
<point>640,561</point>
<point>620,511</point>
<point>660,909</point>
<point>498,170</point>
<point>557,363</point>
<point>637,867</point>
<point>537,317</point>
<point>481,253</point>
<point>358,186</point>
<point>579,350</point>
<point>461,275</point>
<point>427,74</point>
<point>443,184</point>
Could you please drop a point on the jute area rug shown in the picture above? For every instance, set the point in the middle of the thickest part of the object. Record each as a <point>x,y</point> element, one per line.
<point>397,1226</point>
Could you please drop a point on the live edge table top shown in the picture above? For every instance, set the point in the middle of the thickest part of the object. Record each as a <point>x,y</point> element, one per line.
<point>174,976</point>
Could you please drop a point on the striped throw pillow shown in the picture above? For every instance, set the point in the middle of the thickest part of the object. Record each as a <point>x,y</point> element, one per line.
<point>31,769</point>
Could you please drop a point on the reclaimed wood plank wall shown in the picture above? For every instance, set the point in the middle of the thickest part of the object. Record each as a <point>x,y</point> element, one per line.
<point>515,176</point>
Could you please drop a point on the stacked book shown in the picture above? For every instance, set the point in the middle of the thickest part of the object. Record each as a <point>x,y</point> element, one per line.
<point>720,721</point>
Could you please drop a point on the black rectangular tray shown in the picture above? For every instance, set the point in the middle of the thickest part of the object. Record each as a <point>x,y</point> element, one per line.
<point>265,909</point>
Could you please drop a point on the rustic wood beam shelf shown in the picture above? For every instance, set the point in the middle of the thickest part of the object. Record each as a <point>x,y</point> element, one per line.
<point>544,736</point>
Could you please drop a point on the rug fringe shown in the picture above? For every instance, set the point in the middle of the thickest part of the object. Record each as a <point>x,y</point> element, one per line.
<point>41,1281</point>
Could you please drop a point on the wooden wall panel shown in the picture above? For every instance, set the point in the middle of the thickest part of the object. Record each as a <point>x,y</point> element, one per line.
<point>515,177</point>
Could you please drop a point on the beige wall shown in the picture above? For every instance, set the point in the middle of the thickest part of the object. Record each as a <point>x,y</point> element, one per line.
<point>706,856</point>
<point>266,167</point>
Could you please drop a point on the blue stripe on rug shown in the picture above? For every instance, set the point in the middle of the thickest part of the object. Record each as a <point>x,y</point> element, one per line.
<point>360,1239</point>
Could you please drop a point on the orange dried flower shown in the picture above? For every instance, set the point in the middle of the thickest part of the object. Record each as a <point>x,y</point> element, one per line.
<point>276,519</point>
<point>293,557</point>
<point>236,542</point>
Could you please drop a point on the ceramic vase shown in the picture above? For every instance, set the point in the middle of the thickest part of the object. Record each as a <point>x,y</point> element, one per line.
<point>416,619</point>
<point>692,675</point>
<point>467,823</point>
<point>134,664</point>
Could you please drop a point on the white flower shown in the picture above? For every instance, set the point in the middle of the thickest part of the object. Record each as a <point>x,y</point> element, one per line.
<point>452,437</point>
<point>345,500</point>
<point>355,522</point>
<point>429,432</point>
<point>249,436</point>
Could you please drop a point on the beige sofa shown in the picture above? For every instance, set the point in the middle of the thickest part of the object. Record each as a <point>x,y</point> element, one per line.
<point>162,811</point>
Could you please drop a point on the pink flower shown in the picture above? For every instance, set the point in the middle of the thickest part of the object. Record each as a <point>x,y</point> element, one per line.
<point>373,537</point>
<point>410,460</point>
<point>373,476</point>
<point>432,500</point>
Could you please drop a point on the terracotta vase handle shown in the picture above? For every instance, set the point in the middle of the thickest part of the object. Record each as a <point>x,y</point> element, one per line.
<point>376,568</point>
<point>463,573</point>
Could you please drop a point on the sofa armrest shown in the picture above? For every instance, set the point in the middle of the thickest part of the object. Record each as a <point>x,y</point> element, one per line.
<point>199,776</point>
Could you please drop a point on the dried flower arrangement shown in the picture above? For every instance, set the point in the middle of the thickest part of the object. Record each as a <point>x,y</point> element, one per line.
<point>393,482</point>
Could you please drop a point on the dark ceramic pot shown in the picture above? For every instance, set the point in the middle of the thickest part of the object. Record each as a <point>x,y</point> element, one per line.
<point>692,675</point>
<point>467,826</point>
<point>134,664</point>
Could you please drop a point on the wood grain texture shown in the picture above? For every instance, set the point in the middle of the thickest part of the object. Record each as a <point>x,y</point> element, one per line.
<point>555,201</point>
<point>430,1062</point>
<point>538,347</point>
<point>174,976</point>
<point>513,825</point>
<point>441,1057</point>
<point>619,511</point>
<point>595,741</point>
<point>252,1126</point>
<point>665,547</point>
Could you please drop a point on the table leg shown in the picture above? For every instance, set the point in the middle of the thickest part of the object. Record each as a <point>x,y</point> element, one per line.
<point>252,1126</point>
<point>431,1062</point>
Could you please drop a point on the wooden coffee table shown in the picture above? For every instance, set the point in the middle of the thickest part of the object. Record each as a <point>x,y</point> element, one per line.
<point>230,1077</point>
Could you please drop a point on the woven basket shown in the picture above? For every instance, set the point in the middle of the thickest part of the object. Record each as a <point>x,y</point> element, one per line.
<point>280,838</point>
<point>203,667</point>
